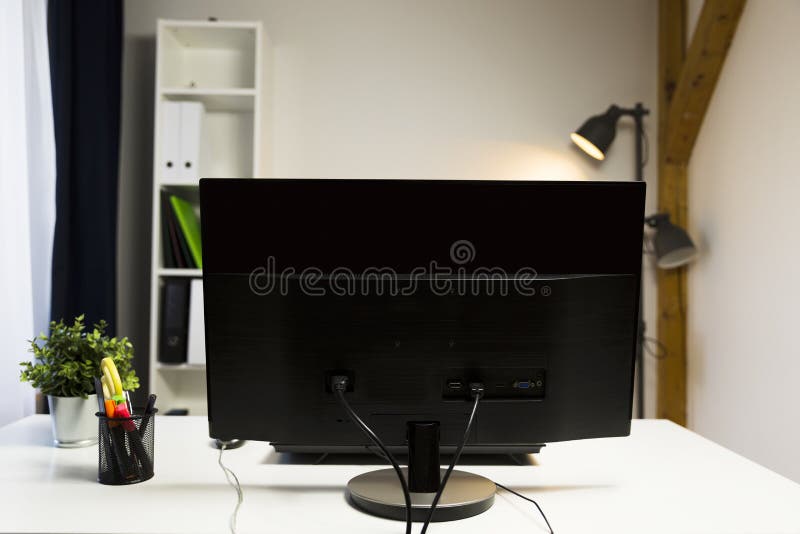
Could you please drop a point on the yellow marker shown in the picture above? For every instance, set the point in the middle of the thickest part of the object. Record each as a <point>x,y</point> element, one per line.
<point>108,381</point>
<point>106,391</point>
<point>107,364</point>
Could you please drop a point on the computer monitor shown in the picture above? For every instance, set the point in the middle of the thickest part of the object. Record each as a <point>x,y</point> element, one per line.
<point>413,290</point>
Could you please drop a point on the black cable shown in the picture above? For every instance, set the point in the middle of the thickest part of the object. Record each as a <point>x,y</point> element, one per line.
<point>477,392</point>
<point>521,496</point>
<point>659,354</point>
<point>340,388</point>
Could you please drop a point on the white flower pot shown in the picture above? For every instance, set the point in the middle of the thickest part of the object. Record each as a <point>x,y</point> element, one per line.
<point>74,422</point>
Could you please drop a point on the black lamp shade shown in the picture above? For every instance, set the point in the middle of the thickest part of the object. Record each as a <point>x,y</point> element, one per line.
<point>673,246</point>
<point>597,133</point>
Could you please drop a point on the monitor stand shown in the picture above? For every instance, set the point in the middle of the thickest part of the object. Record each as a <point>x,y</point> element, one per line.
<point>379,492</point>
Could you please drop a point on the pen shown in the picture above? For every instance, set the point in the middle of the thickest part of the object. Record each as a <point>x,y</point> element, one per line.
<point>134,441</point>
<point>148,410</point>
<point>102,408</point>
<point>151,403</point>
<point>98,389</point>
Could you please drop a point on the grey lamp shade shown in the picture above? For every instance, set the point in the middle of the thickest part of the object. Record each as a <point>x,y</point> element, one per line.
<point>597,133</point>
<point>673,246</point>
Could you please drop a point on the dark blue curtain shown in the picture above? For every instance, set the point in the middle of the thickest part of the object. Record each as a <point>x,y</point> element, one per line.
<point>86,65</point>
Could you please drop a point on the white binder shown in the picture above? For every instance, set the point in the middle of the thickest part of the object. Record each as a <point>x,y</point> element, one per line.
<point>196,350</point>
<point>190,134</point>
<point>170,140</point>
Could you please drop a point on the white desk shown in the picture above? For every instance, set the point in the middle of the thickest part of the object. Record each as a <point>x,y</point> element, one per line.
<point>662,478</point>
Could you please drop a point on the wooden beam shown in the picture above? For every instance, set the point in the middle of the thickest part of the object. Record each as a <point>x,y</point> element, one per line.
<point>671,51</point>
<point>685,89</point>
<point>704,59</point>
<point>671,388</point>
<point>671,392</point>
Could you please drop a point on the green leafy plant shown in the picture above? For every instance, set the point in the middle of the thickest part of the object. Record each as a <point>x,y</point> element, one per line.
<point>67,361</point>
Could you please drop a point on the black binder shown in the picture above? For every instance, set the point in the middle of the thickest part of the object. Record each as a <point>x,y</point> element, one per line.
<point>174,320</point>
<point>169,260</point>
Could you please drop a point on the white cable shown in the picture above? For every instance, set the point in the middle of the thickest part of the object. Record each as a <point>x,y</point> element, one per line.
<point>233,480</point>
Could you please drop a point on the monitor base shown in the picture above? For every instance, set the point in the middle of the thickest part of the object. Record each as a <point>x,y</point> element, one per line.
<point>379,493</point>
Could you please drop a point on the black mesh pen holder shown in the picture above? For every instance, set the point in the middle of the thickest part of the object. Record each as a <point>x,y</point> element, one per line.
<point>125,448</point>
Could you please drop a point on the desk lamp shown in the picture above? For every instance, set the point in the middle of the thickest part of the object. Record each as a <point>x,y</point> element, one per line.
<point>673,246</point>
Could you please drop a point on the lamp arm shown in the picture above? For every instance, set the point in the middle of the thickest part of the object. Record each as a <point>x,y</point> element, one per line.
<point>637,111</point>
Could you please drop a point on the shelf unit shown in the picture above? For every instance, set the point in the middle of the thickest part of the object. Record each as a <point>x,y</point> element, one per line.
<point>218,63</point>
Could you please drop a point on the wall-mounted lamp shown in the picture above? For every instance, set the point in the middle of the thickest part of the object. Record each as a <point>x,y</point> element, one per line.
<point>673,247</point>
<point>598,132</point>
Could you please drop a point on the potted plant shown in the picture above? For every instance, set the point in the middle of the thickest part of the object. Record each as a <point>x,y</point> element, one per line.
<point>64,368</point>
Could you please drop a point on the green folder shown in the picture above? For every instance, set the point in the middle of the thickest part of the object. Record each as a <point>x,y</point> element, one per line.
<point>189,226</point>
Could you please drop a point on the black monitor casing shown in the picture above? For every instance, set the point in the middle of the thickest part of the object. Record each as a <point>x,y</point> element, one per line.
<point>270,355</point>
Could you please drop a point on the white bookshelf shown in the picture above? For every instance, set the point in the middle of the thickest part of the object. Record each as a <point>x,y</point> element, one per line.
<point>218,63</point>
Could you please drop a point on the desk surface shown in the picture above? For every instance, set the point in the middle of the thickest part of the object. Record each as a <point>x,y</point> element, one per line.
<point>663,478</point>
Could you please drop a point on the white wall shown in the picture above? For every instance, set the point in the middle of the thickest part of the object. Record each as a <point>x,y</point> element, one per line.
<point>409,89</point>
<point>744,353</point>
